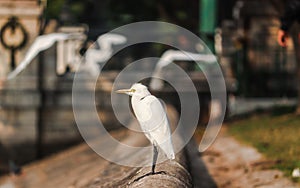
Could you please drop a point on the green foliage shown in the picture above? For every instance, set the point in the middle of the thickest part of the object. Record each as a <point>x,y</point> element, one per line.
<point>76,7</point>
<point>53,8</point>
<point>276,135</point>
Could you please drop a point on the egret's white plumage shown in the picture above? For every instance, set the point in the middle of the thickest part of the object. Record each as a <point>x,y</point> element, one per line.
<point>152,118</point>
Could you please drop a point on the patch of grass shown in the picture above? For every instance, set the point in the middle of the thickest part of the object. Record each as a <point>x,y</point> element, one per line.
<point>276,135</point>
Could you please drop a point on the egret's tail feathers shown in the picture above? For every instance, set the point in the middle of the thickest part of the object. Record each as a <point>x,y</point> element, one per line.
<point>171,156</point>
<point>167,148</point>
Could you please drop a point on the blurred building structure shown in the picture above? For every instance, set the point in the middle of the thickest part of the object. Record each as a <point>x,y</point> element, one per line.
<point>36,107</point>
<point>19,99</point>
<point>19,27</point>
<point>261,66</point>
<point>36,116</point>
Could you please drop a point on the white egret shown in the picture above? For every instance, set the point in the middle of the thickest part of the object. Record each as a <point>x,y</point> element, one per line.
<point>152,119</point>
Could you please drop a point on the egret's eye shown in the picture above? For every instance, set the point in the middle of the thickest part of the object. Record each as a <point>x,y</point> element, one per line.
<point>133,90</point>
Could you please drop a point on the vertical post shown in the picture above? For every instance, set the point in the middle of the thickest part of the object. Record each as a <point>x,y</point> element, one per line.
<point>12,58</point>
<point>40,85</point>
<point>208,21</point>
<point>40,131</point>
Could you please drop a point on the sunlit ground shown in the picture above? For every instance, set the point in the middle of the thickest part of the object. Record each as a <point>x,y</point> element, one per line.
<point>275,134</point>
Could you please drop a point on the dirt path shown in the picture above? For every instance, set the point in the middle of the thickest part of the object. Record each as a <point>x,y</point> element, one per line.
<point>234,165</point>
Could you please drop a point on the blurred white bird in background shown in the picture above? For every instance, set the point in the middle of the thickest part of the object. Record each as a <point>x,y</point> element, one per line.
<point>152,119</point>
<point>96,55</point>
<point>104,51</point>
<point>93,56</point>
<point>41,43</point>
<point>170,56</point>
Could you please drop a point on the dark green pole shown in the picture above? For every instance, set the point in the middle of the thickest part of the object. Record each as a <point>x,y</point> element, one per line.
<point>208,21</point>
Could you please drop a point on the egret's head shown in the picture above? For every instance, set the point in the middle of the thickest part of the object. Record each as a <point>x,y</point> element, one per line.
<point>136,90</point>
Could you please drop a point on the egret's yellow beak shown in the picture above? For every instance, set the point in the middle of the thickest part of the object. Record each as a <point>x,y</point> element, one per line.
<point>124,91</point>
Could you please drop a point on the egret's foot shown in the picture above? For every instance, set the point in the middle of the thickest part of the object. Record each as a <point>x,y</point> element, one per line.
<point>160,172</point>
<point>148,174</point>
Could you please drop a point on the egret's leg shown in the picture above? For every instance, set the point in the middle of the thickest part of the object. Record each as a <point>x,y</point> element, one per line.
<point>155,154</point>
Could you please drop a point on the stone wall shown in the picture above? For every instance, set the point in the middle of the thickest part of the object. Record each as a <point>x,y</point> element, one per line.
<point>27,12</point>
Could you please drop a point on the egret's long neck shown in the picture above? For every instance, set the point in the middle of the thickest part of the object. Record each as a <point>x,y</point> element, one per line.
<point>138,107</point>
<point>134,102</point>
<point>140,96</point>
<point>136,98</point>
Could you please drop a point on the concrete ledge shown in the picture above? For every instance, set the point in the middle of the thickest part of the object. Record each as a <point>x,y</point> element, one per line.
<point>80,167</point>
<point>175,174</point>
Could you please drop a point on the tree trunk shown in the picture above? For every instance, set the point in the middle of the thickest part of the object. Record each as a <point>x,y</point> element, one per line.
<point>296,41</point>
<point>298,76</point>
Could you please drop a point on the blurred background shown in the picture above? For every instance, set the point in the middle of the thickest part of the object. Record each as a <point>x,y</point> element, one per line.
<point>36,117</point>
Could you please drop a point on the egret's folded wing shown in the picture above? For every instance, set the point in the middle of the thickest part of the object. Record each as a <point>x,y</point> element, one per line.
<point>153,113</point>
<point>161,133</point>
<point>41,43</point>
